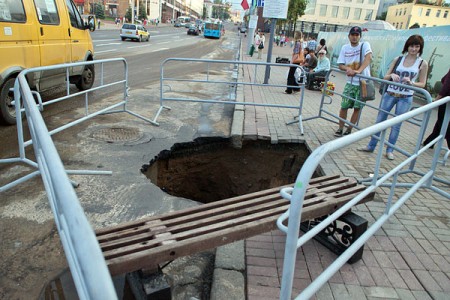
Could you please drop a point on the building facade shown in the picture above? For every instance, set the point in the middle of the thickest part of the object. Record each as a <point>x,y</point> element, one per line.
<point>405,15</point>
<point>334,15</point>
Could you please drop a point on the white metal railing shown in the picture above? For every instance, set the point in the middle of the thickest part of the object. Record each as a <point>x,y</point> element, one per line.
<point>84,256</point>
<point>121,106</point>
<point>297,193</point>
<point>234,82</point>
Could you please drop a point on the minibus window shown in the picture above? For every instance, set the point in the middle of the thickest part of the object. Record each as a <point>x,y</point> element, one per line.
<point>75,18</point>
<point>11,11</point>
<point>47,12</point>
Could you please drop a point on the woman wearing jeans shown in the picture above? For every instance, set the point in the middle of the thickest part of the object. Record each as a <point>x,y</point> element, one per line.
<point>411,70</point>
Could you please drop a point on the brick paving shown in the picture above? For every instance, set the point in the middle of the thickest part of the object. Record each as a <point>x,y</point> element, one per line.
<point>408,258</point>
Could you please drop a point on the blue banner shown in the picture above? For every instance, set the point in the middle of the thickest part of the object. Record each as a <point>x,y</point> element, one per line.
<point>388,44</point>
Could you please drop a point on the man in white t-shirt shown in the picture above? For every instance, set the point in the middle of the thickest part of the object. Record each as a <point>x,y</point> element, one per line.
<point>350,61</point>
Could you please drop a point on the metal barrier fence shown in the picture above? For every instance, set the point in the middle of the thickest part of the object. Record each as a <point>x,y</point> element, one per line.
<point>121,107</point>
<point>87,264</point>
<point>296,194</point>
<point>234,83</point>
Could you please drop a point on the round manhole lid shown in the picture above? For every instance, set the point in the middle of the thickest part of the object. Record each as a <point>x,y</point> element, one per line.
<point>117,134</point>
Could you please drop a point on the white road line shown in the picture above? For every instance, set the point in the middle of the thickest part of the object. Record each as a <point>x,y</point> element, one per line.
<point>138,46</point>
<point>99,45</point>
<point>161,49</point>
<point>111,50</point>
<point>165,42</point>
<point>96,41</point>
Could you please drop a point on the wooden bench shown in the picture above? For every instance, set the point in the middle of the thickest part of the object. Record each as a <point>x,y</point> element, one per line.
<point>145,243</point>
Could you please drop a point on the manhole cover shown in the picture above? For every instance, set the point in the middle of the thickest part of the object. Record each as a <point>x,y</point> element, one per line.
<point>117,134</point>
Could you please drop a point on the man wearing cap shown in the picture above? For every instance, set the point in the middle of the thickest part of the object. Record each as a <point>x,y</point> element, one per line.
<point>323,66</point>
<point>349,60</point>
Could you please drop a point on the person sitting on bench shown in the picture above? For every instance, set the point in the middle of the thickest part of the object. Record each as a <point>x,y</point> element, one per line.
<point>323,66</point>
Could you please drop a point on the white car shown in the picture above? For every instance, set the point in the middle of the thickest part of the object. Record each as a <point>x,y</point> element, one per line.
<point>134,32</point>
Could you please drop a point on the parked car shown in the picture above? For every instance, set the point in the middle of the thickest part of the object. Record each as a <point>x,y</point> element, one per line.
<point>187,25</point>
<point>193,29</point>
<point>134,32</point>
<point>177,24</point>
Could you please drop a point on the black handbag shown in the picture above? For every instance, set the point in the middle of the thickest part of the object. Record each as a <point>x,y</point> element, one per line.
<point>261,45</point>
<point>384,86</point>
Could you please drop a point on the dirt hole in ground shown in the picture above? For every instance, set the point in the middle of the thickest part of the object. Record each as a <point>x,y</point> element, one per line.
<point>211,169</point>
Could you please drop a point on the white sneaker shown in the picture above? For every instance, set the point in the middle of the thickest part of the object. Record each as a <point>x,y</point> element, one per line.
<point>390,155</point>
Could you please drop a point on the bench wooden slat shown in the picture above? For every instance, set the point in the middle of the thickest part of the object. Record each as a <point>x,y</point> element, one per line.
<point>150,241</point>
<point>319,181</point>
<point>225,206</point>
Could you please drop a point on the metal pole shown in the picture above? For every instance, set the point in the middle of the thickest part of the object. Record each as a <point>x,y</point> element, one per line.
<point>269,51</point>
<point>251,31</point>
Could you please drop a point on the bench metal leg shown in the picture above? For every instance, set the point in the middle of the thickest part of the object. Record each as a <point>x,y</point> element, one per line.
<point>339,235</point>
<point>149,286</point>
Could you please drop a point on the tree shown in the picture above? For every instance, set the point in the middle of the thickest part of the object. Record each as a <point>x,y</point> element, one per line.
<point>382,17</point>
<point>99,11</point>
<point>296,9</point>
<point>128,14</point>
<point>142,12</point>
<point>415,25</point>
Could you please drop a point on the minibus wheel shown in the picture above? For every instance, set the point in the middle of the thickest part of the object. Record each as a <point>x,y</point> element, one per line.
<point>7,111</point>
<point>87,78</point>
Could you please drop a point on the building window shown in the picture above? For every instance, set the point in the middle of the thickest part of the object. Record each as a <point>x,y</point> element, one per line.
<point>438,13</point>
<point>357,14</point>
<point>371,2</point>
<point>445,14</point>
<point>428,12</point>
<point>345,12</point>
<point>401,25</point>
<point>404,11</point>
<point>368,15</point>
<point>334,11</point>
<point>396,12</point>
<point>419,11</point>
<point>323,10</point>
<point>359,1</point>
<point>424,25</point>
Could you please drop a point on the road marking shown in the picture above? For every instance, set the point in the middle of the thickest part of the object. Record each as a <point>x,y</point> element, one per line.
<point>111,50</point>
<point>96,41</point>
<point>138,46</point>
<point>99,45</point>
<point>165,42</point>
<point>161,49</point>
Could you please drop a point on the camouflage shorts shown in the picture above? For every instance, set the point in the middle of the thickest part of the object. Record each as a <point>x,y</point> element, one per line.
<point>351,93</point>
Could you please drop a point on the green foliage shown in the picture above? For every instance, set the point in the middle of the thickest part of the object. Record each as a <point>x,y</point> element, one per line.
<point>142,13</point>
<point>382,17</point>
<point>221,12</point>
<point>296,9</point>
<point>99,11</point>
<point>128,14</point>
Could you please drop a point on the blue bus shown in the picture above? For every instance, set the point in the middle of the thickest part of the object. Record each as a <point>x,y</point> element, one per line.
<point>213,30</point>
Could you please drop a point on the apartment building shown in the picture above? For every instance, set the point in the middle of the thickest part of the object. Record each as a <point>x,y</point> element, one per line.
<point>335,15</point>
<point>405,15</point>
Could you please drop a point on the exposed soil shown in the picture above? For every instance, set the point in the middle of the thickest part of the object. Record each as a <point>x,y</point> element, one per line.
<point>210,169</point>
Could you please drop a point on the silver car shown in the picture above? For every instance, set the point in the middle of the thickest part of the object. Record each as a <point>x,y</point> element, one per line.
<point>134,32</point>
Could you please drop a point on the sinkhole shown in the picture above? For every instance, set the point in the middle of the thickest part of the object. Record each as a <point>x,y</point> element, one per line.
<point>211,169</point>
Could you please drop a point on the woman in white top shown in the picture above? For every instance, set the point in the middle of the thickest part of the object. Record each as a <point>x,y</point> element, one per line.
<point>411,70</point>
<point>260,42</point>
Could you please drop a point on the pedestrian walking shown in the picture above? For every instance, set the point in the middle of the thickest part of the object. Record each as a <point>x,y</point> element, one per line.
<point>349,60</point>
<point>411,70</point>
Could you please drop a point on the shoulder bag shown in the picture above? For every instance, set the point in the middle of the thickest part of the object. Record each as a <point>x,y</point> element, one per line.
<point>384,86</point>
<point>366,87</point>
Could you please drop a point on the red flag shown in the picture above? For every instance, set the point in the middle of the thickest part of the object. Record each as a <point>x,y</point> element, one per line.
<point>244,4</point>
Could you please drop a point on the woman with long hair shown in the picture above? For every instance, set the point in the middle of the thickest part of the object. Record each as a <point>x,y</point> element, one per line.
<point>411,70</point>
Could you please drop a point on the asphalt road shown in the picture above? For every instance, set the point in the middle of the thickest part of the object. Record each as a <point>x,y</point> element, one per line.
<point>143,59</point>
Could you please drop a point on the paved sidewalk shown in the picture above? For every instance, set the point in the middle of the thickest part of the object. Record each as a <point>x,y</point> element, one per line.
<point>409,258</point>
